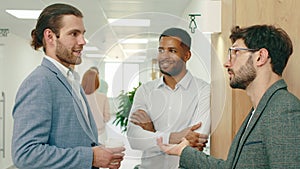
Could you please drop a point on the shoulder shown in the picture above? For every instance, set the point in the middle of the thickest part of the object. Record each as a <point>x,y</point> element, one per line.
<point>37,76</point>
<point>283,99</point>
<point>281,105</point>
<point>200,84</point>
<point>150,85</point>
<point>38,80</point>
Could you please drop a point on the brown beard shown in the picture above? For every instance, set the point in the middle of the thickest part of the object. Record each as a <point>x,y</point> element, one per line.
<point>65,56</point>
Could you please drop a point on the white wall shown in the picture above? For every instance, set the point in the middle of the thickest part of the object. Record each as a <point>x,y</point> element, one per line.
<point>210,10</point>
<point>209,22</point>
<point>17,60</point>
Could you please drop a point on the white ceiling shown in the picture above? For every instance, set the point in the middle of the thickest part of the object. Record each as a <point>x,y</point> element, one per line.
<point>162,13</point>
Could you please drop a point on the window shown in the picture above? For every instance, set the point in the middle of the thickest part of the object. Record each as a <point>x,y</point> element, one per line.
<point>121,76</point>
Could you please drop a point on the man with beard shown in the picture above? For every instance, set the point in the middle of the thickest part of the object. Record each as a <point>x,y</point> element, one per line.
<point>175,106</point>
<point>53,123</point>
<point>269,136</point>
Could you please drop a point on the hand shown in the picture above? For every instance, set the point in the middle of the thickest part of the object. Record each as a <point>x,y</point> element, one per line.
<point>172,149</point>
<point>142,119</point>
<point>201,142</point>
<point>195,139</point>
<point>108,157</point>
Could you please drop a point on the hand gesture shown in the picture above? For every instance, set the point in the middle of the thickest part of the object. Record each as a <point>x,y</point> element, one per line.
<point>142,119</point>
<point>172,149</point>
<point>195,139</point>
<point>108,157</point>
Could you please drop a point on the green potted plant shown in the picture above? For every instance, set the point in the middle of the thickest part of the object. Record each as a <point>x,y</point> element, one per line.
<point>125,100</point>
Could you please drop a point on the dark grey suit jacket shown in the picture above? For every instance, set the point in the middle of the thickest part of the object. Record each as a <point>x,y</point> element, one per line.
<point>272,139</point>
<point>49,127</point>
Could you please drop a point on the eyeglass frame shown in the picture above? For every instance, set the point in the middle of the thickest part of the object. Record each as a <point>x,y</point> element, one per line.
<point>229,55</point>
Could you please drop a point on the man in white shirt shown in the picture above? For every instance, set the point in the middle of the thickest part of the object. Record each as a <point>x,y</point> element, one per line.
<point>174,107</point>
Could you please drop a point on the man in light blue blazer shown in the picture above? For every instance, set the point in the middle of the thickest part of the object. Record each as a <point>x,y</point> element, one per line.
<point>53,124</point>
<point>269,136</point>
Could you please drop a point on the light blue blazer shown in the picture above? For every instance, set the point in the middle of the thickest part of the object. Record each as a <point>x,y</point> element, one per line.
<point>49,127</point>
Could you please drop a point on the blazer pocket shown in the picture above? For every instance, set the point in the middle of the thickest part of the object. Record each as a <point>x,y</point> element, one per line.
<point>253,142</point>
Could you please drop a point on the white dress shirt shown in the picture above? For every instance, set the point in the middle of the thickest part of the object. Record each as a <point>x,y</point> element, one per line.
<point>170,111</point>
<point>73,78</point>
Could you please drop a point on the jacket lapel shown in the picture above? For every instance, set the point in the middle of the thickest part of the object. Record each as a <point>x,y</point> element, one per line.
<point>258,112</point>
<point>79,112</point>
<point>238,141</point>
<point>92,125</point>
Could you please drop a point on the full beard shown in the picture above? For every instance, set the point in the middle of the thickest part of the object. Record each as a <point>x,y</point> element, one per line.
<point>244,76</point>
<point>65,56</point>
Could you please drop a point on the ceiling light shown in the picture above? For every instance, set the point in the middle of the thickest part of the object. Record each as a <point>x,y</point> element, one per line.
<point>133,41</point>
<point>129,22</point>
<point>25,14</point>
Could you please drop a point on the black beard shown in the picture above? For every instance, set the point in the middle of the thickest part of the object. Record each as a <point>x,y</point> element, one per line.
<point>174,71</point>
<point>165,73</point>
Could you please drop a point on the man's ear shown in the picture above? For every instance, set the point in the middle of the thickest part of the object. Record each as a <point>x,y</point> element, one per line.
<point>263,57</point>
<point>187,55</point>
<point>49,35</point>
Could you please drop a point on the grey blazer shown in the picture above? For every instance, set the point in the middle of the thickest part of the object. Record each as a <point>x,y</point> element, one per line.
<point>272,139</point>
<point>49,127</point>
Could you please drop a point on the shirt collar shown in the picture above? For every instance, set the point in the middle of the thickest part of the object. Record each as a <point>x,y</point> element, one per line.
<point>64,70</point>
<point>184,82</point>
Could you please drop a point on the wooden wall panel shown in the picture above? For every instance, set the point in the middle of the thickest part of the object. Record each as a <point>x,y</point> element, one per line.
<point>221,136</point>
<point>281,13</point>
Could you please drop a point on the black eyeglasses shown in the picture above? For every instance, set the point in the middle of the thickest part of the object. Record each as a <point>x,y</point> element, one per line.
<point>232,51</point>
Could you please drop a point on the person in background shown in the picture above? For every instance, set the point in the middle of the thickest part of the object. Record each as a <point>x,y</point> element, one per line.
<point>173,107</point>
<point>98,102</point>
<point>269,136</point>
<point>104,85</point>
<point>53,124</point>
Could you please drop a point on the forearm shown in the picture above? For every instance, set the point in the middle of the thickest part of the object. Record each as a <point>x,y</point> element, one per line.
<point>141,139</point>
<point>175,137</point>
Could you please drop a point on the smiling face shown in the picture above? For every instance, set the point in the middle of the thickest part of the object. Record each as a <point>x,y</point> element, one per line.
<point>70,42</point>
<point>172,56</point>
<point>240,68</point>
